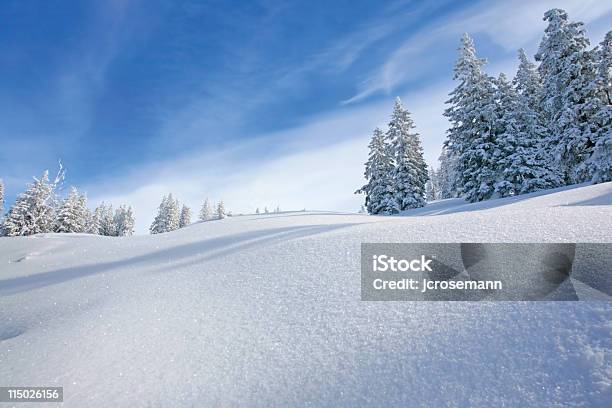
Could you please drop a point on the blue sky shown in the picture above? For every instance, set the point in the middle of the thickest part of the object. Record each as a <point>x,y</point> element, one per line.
<point>259,103</point>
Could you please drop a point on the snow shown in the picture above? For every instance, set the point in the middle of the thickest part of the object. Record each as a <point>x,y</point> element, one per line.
<point>265,310</point>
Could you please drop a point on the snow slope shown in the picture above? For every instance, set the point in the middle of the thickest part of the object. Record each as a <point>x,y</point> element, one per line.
<point>264,311</point>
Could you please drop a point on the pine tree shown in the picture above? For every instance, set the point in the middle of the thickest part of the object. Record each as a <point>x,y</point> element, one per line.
<point>448,176</point>
<point>433,185</point>
<point>106,219</point>
<point>277,209</point>
<point>1,198</point>
<point>124,221</point>
<point>206,212</point>
<point>33,211</point>
<point>257,210</point>
<point>266,211</point>
<point>174,214</point>
<point>409,174</point>
<point>168,216</point>
<point>523,165</point>
<point>185,217</point>
<point>599,166</point>
<point>569,94</point>
<point>378,190</point>
<point>471,138</point>
<point>71,213</point>
<point>220,213</point>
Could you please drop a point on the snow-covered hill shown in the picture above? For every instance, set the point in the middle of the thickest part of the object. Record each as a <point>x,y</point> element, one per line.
<point>265,311</point>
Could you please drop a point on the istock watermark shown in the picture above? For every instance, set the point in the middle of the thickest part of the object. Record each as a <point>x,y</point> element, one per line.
<point>486,271</point>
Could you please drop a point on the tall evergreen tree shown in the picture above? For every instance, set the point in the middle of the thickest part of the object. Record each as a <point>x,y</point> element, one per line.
<point>185,217</point>
<point>33,212</point>
<point>1,198</point>
<point>600,164</point>
<point>448,176</point>
<point>472,113</point>
<point>378,190</point>
<point>409,174</point>
<point>569,94</point>
<point>433,185</point>
<point>522,166</point>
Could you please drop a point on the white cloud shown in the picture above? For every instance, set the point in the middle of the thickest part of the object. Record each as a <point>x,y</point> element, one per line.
<point>510,24</point>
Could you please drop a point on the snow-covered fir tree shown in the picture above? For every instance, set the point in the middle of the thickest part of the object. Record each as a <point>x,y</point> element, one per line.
<point>448,176</point>
<point>174,213</point>
<point>472,113</point>
<point>124,221</point>
<point>277,209</point>
<point>168,216</point>
<point>569,94</point>
<point>257,210</point>
<point>220,211</point>
<point>266,211</point>
<point>378,190</point>
<point>1,198</point>
<point>409,173</point>
<point>33,211</point>
<point>72,213</point>
<point>433,185</point>
<point>106,219</point>
<point>206,212</point>
<point>599,165</point>
<point>522,162</point>
<point>185,217</point>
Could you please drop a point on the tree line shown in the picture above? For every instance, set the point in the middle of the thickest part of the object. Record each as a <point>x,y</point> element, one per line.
<point>40,209</point>
<point>170,218</point>
<point>550,126</point>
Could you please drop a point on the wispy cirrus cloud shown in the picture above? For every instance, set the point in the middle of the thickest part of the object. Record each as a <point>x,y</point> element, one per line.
<point>509,24</point>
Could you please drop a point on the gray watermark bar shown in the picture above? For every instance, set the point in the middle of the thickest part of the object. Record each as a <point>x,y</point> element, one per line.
<point>486,271</point>
<point>31,394</point>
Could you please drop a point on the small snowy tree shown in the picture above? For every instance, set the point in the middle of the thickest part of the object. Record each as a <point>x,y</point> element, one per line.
<point>168,217</point>
<point>409,174</point>
<point>257,210</point>
<point>174,213</point>
<point>33,212</point>
<point>71,215</point>
<point>220,213</point>
<point>206,212</point>
<point>185,218</point>
<point>266,211</point>
<point>124,221</point>
<point>277,209</point>
<point>378,190</point>
<point>105,217</point>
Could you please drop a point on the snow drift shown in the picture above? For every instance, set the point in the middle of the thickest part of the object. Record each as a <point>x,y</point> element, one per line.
<point>265,310</point>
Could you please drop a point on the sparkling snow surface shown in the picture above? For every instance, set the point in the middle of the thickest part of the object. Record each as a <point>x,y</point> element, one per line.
<point>264,310</point>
